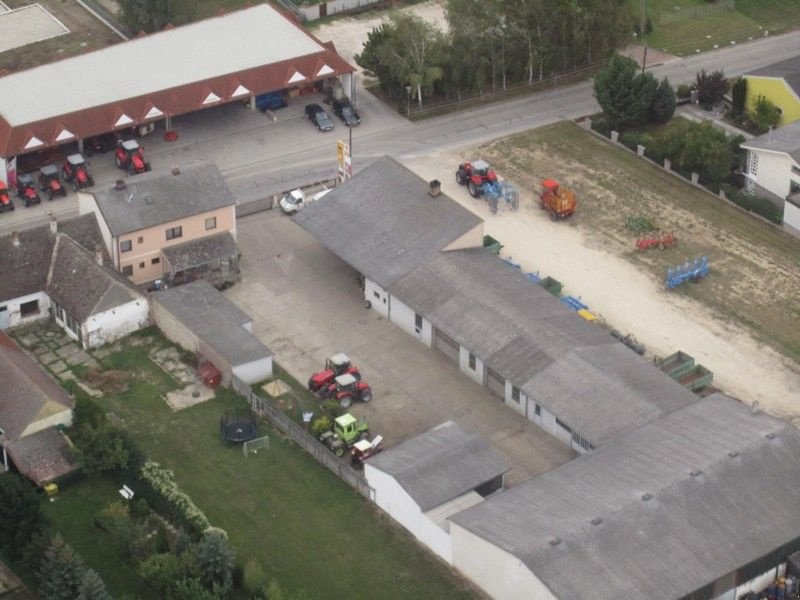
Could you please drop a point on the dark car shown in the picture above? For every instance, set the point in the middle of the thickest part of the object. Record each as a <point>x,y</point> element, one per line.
<point>345,111</point>
<point>100,144</point>
<point>319,117</point>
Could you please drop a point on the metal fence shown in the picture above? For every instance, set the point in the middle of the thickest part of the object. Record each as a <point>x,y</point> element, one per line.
<point>305,440</point>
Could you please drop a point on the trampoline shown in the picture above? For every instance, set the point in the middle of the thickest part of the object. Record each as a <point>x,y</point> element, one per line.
<point>238,427</point>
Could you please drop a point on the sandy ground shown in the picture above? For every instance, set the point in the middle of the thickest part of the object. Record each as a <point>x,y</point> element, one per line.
<point>629,299</point>
<point>28,25</point>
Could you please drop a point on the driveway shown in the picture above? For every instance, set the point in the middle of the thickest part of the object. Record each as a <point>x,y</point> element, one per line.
<point>306,305</point>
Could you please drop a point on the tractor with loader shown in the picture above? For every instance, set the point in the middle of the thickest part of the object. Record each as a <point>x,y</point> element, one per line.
<point>347,430</point>
<point>557,200</point>
<point>336,365</point>
<point>75,172</point>
<point>49,182</point>
<point>129,155</point>
<point>474,175</point>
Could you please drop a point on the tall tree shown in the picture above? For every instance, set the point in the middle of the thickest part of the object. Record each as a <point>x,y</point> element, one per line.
<point>61,572</point>
<point>739,93</point>
<point>624,94</point>
<point>711,87</point>
<point>216,561</point>
<point>92,587</point>
<point>21,518</point>
<point>664,103</point>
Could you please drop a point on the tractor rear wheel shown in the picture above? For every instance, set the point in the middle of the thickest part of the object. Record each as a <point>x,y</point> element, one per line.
<point>366,396</point>
<point>473,190</point>
<point>345,401</point>
<point>339,451</point>
<point>460,177</point>
<point>119,162</point>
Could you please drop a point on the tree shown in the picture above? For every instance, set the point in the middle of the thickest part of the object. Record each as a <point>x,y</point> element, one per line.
<point>101,448</point>
<point>624,94</point>
<point>216,561</point>
<point>711,87</point>
<point>161,572</point>
<point>21,518</point>
<point>153,15</point>
<point>739,93</point>
<point>92,587</point>
<point>369,60</point>
<point>190,588</point>
<point>707,152</point>
<point>764,114</point>
<point>61,573</point>
<point>254,577</point>
<point>664,103</point>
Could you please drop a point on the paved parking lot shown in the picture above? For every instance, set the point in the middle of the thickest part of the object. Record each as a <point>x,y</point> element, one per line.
<point>306,305</point>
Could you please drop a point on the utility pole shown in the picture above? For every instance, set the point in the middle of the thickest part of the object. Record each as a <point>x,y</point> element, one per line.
<point>643,31</point>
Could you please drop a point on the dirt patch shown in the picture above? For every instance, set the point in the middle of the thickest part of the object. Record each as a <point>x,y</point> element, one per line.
<point>742,321</point>
<point>108,382</point>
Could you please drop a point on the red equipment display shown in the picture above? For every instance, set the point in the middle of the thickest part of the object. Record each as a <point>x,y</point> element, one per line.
<point>130,156</point>
<point>474,175</point>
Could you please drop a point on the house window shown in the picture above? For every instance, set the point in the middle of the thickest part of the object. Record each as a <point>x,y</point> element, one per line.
<point>752,160</point>
<point>537,411</point>
<point>472,361</point>
<point>141,265</point>
<point>155,261</point>
<point>140,240</point>
<point>174,232</point>
<point>127,270</point>
<point>515,393</point>
<point>418,321</point>
<point>27,309</point>
<point>580,441</point>
<point>377,295</point>
<point>211,223</point>
<point>563,426</point>
<point>125,246</point>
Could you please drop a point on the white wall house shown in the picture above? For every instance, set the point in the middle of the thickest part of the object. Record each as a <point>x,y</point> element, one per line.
<point>107,326</point>
<point>25,309</point>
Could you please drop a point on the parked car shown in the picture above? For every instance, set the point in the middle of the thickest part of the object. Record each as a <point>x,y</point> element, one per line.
<point>345,111</point>
<point>270,101</point>
<point>317,115</point>
<point>292,202</point>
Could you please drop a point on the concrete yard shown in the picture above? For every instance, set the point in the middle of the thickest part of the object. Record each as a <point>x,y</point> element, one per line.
<point>306,305</point>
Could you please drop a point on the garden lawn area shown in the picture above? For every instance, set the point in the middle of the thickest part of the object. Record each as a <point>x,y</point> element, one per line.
<point>72,514</point>
<point>305,527</point>
<point>683,26</point>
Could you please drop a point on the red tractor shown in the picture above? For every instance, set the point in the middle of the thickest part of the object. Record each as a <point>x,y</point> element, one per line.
<point>474,175</point>
<point>130,156</point>
<point>336,365</point>
<point>49,183</point>
<point>26,190</point>
<point>5,201</point>
<point>75,171</point>
<point>346,388</point>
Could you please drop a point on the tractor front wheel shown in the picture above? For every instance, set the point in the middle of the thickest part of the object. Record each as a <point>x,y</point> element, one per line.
<point>473,190</point>
<point>366,396</point>
<point>339,451</point>
<point>460,177</point>
<point>345,401</point>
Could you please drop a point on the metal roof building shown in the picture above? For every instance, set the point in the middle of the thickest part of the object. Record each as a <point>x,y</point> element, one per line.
<point>158,76</point>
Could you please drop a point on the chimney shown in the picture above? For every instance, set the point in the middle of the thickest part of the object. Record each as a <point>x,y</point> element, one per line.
<point>120,184</point>
<point>435,188</point>
<point>15,238</point>
<point>53,223</point>
<point>98,254</point>
<point>176,170</point>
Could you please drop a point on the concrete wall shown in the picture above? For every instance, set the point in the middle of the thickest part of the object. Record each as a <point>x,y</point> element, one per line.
<point>405,318</point>
<point>86,205</point>
<point>478,374</point>
<point>774,172</point>
<point>394,500</point>
<point>791,218</point>
<point>173,329</point>
<point>377,296</point>
<point>111,325</point>
<point>472,239</point>
<point>501,575</point>
<point>776,91</point>
<point>12,316</point>
<point>63,417</point>
<point>251,372</point>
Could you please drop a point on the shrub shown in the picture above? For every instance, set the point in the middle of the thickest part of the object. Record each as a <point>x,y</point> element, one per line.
<point>255,579</point>
<point>162,482</point>
<point>738,94</point>
<point>755,204</point>
<point>664,103</point>
<point>161,571</point>
<point>321,425</point>
<point>764,114</point>
<point>684,91</point>
<point>711,87</point>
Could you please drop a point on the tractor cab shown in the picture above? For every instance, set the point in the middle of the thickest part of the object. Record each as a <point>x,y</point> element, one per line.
<point>480,168</point>
<point>323,382</point>
<point>338,363</point>
<point>75,171</point>
<point>26,190</point>
<point>5,201</point>
<point>130,156</point>
<point>50,183</point>
<point>347,388</point>
<point>349,429</point>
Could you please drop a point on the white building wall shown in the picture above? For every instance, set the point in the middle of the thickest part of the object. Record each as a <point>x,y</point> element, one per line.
<point>472,239</point>
<point>86,205</point>
<point>518,405</point>
<point>405,318</point>
<point>394,500</point>
<point>63,417</point>
<point>377,297</point>
<point>758,583</point>
<point>13,316</point>
<point>773,172</point>
<point>478,374</point>
<point>791,217</point>
<point>254,371</point>
<point>500,574</point>
<point>111,325</point>
<point>173,329</point>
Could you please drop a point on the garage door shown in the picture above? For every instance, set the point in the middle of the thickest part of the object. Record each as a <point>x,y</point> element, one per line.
<point>446,345</point>
<point>496,383</point>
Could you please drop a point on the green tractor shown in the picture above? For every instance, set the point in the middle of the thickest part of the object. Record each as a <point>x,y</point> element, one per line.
<point>347,430</point>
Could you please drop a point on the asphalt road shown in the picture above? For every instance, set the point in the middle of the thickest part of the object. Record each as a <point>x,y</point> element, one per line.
<point>260,158</point>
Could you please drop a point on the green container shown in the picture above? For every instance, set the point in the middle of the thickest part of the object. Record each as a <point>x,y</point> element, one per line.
<point>696,378</point>
<point>552,285</point>
<point>676,364</point>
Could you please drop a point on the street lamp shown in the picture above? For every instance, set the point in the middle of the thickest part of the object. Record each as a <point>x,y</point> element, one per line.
<point>408,100</point>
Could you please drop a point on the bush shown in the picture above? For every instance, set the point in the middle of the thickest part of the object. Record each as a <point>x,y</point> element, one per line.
<point>738,95</point>
<point>255,580</point>
<point>684,91</point>
<point>755,204</point>
<point>664,103</point>
<point>711,87</point>
<point>179,505</point>
<point>764,114</point>
<point>321,425</point>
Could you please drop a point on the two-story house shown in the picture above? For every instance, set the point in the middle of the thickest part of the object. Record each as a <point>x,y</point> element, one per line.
<point>177,224</point>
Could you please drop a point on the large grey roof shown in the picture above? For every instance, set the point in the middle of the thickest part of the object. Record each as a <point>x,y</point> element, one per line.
<point>201,251</point>
<point>213,319</point>
<point>788,69</point>
<point>210,48</point>
<point>784,139</point>
<point>384,223</point>
<point>573,368</point>
<point>25,267</point>
<point>159,197</point>
<point>81,286</point>
<point>740,505</point>
<point>441,464</point>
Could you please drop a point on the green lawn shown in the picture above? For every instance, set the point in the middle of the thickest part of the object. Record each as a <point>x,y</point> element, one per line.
<point>684,26</point>
<point>307,529</point>
<point>72,515</point>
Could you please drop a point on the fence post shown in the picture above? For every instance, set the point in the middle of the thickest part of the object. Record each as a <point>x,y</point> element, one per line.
<point>640,150</point>
<point>614,136</point>
<point>695,178</point>
<point>667,164</point>
<point>586,123</point>
<point>722,195</point>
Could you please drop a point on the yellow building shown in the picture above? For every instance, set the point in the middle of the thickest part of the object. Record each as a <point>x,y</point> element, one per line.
<point>780,84</point>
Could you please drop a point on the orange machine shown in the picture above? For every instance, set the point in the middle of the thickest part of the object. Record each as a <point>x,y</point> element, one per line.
<point>558,201</point>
